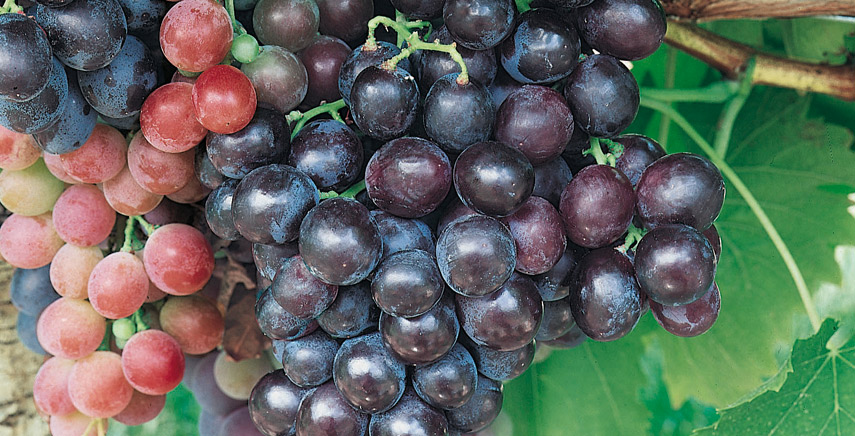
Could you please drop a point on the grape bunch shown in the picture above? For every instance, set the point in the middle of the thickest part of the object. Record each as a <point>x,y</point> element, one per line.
<point>431,190</point>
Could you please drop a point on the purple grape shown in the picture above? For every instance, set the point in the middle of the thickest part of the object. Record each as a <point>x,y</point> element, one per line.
<point>407,283</point>
<point>557,320</point>
<point>265,140</point>
<point>273,404</point>
<point>481,409</point>
<point>605,297</point>
<point>538,232</point>
<point>384,102</point>
<point>207,393</point>
<point>411,416</point>
<point>367,375</point>
<point>597,206</point>
<point>691,319</point>
<point>501,365</point>
<point>554,284</point>
<point>625,29</point>
<point>481,64</point>
<point>550,179</point>
<point>502,86</point>
<point>401,234</point>
<point>290,24</point>
<point>26,66</point>
<point>457,115</point>
<point>276,323</point>
<point>420,9</point>
<point>537,121</point>
<point>421,339</point>
<point>308,361</point>
<point>325,412</point>
<point>493,178</point>
<point>329,152</point>
<point>352,313</point>
<point>506,319</point>
<point>571,339</point>
<point>279,77</point>
<point>638,153</point>
<point>299,292</point>
<point>675,264</point>
<point>362,58</point>
<point>323,59</point>
<point>205,170</point>
<point>479,24</point>
<point>268,258</point>
<point>603,96</point>
<point>345,19</point>
<point>454,210</point>
<point>542,48</point>
<point>25,328</point>
<point>715,240</point>
<point>449,382</point>
<point>218,211</point>
<point>476,255</point>
<point>86,34</point>
<point>31,290</point>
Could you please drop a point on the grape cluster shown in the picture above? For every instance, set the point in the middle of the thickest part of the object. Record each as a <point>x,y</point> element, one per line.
<point>477,200</point>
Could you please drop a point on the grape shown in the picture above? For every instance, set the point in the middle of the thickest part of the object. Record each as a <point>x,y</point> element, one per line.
<point>625,29</point>
<point>506,319</point>
<point>542,48</point>
<point>224,99</point>
<point>26,67</point>
<point>453,211</point>
<point>270,203</point>
<point>97,386</point>
<point>54,164</point>
<point>424,338</point>
<point>308,361</point>
<point>603,96</point>
<point>192,192</point>
<point>268,258</point>
<point>691,319</point>
<point>448,382</point>
<point>290,24</point>
<point>41,110</point>
<point>479,24</point>
<point>493,178</point>
<point>29,241</point>
<point>50,388</point>
<point>557,320</point>
<point>276,323</point>
<point>475,255</point>
<point>100,158</point>
<point>572,155</point>
<point>118,285</point>
<point>571,339</point>
<point>418,9</point>
<point>72,424</point>
<point>168,119</point>
<point>502,86</point>
<point>384,102</point>
<point>408,177</point>
<point>205,170</point>
<point>25,328</point>
<point>152,362</point>
<point>322,59</point>
<point>555,284</point>
<point>280,79</point>
<point>360,59</point>
<point>500,365</point>
<point>345,19</point>
<point>181,28</point>
<point>17,150</point>
<point>195,323</point>
<point>299,292</point>
<point>127,197</point>
<point>538,233</point>
<point>30,191</point>
<point>550,179</point>
<point>218,211</point>
<point>205,389</point>
<point>142,408</point>
<point>329,152</point>
<point>481,409</point>
<point>237,379</point>
<point>85,35</point>
<point>410,416</point>
<point>239,423</point>
<point>537,121</point>
<point>458,115</point>
<point>481,64</point>
<point>210,424</point>
<point>367,375</point>
<point>401,234</point>
<point>340,242</point>
<point>604,295</point>
<point>82,216</point>
<point>715,240</point>
<point>675,264</point>
<point>168,212</point>
<point>143,16</point>
<point>31,291</point>
<point>178,259</point>
<point>597,206</point>
<point>353,312</point>
<point>325,412</point>
<point>129,78</point>
<point>265,140</point>
<point>73,127</point>
<point>680,188</point>
<point>274,402</point>
<point>407,283</point>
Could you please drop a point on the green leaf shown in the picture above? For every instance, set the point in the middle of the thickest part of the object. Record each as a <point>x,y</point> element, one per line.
<point>825,39</point>
<point>179,417</point>
<point>818,397</point>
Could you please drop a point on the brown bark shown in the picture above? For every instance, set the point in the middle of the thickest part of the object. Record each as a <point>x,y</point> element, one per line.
<point>18,366</point>
<point>731,58</point>
<point>736,9</point>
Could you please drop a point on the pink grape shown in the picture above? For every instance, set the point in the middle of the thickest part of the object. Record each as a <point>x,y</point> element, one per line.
<point>224,99</point>
<point>54,165</point>
<point>191,193</point>
<point>181,34</point>
<point>157,171</point>
<point>72,424</point>
<point>82,216</point>
<point>70,328</point>
<point>194,321</point>
<point>17,150</point>
<point>152,362</point>
<point>178,259</point>
<point>167,118</point>
<point>118,285</point>
<point>98,387</point>
<point>50,389</point>
<point>70,270</point>
<point>127,197</point>
<point>142,408</point>
<point>100,158</point>
<point>29,241</point>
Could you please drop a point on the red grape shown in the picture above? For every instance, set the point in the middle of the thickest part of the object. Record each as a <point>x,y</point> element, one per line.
<point>97,386</point>
<point>100,158</point>
<point>70,328</point>
<point>178,259</point>
<point>72,424</point>
<point>142,408</point>
<point>17,150</point>
<point>29,241</point>
<point>167,118</point>
<point>157,171</point>
<point>54,165</point>
<point>50,389</point>
<point>194,321</point>
<point>82,216</point>
<point>118,285</point>
<point>127,197</point>
<point>153,362</point>
<point>70,270</point>
<point>224,99</point>
<point>191,193</point>
<point>181,30</point>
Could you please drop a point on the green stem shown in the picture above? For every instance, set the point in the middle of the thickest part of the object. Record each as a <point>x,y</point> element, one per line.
<point>9,6</point>
<point>597,152</point>
<point>304,117</point>
<point>731,110</point>
<point>615,148</point>
<point>147,227</point>
<point>349,193</point>
<point>718,92</point>
<point>402,19</point>
<point>105,341</point>
<point>752,203</point>
<point>523,5</point>
<point>633,236</point>
<point>417,44</point>
<point>130,237</point>
<point>237,27</point>
<point>670,82</point>
<point>139,320</point>
<point>371,41</point>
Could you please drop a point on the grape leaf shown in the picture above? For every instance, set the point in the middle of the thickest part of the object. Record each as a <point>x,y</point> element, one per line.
<point>817,398</point>
<point>243,338</point>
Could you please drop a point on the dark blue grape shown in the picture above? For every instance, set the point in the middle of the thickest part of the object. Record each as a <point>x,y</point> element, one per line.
<point>299,292</point>
<point>384,102</point>
<point>270,202</point>
<point>325,412</point>
<point>480,410</point>
<point>500,365</point>
<point>424,338</point>
<point>273,404</point>
<point>329,152</point>
<point>557,320</point>
<point>401,234</point>
<point>481,64</point>
<point>352,313</point>
<point>476,255</point>
<point>571,339</point>
<point>340,242</point>
<point>268,258</point>
<point>265,140</point>
<point>345,19</point>
<point>411,417</point>
<point>308,361</point>
<point>144,16</point>
<point>543,48</point>
<point>550,179</point>
<point>73,127</point>
<point>638,153</point>
<point>218,211</point>
<point>25,68</point>
<point>603,96</point>
<point>407,283</point>
<point>691,319</point>
<point>367,375</point>
<point>323,59</point>
<point>362,58</point>
<point>419,9</point>
<point>493,178</point>
<point>25,326</point>
<point>449,382</point>
<point>276,323</point>
<point>503,85</point>
<point>712,235</point>
<point>479,24</point>
<point>537,121</point>
<point>555,284</point>
<point>597,206</point>
<point>86,34</point>
<point>127,123</point>
<point>119,89</point>
<point>625,29</point>
<point>31,290</point>
<point>206,172</point>
<point>40,111</point>
<point>457,115</point>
